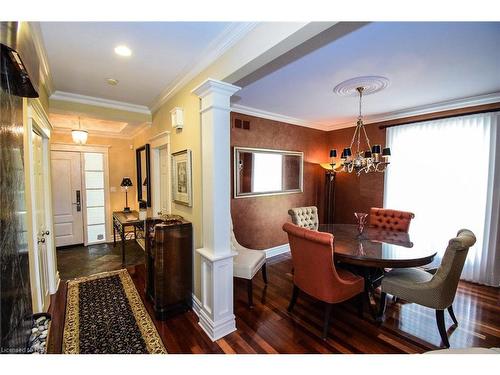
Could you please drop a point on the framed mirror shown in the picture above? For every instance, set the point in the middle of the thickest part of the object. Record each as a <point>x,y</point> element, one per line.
<point>142,160</point>
<point>260,171</point>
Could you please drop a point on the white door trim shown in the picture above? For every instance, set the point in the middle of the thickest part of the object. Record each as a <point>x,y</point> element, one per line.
<point>37,120</point>
<point>157,142</point>
<point>102,149</point>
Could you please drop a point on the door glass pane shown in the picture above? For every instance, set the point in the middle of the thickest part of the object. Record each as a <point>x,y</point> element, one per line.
<point>95,198</point>
<point>93,162</point>
<point>94,180</point>
<point>95,215</point>
<point>96,233</point>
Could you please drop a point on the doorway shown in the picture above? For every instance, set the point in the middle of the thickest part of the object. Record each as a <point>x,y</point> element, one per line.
<point>80,194</point>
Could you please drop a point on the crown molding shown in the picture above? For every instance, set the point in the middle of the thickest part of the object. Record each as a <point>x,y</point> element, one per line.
<point>37,36</point>
<point>95,133</point>
<point>275,116</point>
<point>415,111</point>
<point>140,129</point>
<point>100,102</point>
<point>422,110</point>
<point>228,38</point>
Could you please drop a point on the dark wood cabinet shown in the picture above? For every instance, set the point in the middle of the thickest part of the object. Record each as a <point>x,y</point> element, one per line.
<point>169,267</point>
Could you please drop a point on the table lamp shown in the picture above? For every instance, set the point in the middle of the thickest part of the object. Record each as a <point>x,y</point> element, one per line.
<point>126,183</point>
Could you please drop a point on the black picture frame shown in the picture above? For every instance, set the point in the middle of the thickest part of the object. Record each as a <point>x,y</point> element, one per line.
<point>140,173</point>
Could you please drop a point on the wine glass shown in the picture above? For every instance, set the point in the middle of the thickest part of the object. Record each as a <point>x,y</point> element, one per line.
<point>361,217</point>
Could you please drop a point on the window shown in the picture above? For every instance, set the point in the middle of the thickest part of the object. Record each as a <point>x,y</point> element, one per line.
<point>94,197</point>
<point>443,171</point>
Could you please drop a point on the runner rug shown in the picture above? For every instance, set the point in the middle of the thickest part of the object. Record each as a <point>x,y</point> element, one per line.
<point>105,315</point>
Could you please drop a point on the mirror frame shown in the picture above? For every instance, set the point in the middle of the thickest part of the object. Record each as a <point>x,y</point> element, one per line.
<point>265,150</point>
<point>139,173</point>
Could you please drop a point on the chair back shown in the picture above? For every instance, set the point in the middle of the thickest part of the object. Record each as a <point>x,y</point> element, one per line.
<point>386,219</point>
<point>447,276</point>
<point>305,217</point>
<point>312,257</point>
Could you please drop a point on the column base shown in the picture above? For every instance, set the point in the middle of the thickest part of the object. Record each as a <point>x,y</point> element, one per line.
<point>219,329</point>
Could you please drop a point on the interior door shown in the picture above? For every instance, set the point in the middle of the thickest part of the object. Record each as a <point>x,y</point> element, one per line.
<point>39,222</point>
<point>67,197</point>
<point>164,179</point>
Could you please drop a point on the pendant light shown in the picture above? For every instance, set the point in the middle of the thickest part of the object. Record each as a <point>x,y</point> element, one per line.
<point>79,135</point>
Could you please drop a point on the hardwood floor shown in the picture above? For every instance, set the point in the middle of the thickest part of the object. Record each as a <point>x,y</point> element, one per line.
<point>269,328</point>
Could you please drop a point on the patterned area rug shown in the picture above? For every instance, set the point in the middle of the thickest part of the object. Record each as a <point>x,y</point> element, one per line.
<point>105,315</point>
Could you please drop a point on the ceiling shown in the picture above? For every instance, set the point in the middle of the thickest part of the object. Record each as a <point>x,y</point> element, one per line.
<point>81,56</point>
<point>425,62</point>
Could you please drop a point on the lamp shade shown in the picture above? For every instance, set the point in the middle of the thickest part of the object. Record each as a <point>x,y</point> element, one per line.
<point>347,151</point>
<point>333,153</point>
<point>79,136</point>
<point>386,151</point>
<point>342,156</point>
<point>376,149</point>
<point>368,154</point>
<point>126,182</point>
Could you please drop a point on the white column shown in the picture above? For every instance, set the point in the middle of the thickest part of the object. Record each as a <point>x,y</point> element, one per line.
<point>216,313</point>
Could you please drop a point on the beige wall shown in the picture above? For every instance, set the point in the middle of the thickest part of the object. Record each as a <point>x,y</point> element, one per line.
<point>121,164</point>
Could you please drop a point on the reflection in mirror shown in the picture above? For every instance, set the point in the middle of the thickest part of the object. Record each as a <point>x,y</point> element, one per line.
<point>266,172</point>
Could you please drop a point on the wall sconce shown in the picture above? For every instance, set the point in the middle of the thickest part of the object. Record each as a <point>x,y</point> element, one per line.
<point>177,116</point>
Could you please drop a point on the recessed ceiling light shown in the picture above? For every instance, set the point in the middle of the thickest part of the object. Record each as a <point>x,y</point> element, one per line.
<point>123,50</point>
<point>112,81</point>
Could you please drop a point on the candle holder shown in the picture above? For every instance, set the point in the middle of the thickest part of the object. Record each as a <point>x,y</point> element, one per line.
<point>361,217</point>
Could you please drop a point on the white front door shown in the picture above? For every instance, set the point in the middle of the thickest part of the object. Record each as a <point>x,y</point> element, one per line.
<point>67,197</point>
<point>39,222</point>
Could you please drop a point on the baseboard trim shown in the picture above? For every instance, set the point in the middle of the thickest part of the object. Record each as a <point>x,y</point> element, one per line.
<point>196,305</point>
<point>277,250</point>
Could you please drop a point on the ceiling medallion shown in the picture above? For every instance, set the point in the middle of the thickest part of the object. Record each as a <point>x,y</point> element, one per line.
<point>370,85</point>
<point>369,159</point>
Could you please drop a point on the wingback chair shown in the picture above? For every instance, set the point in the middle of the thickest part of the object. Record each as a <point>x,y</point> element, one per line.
<point>437,290</point>
<point>305,217</point>
<point>315,272</point>
<point>247,263</point>
<point>386,219</point>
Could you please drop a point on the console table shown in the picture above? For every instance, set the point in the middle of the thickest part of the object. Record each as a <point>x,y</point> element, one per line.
<point>122,220</point>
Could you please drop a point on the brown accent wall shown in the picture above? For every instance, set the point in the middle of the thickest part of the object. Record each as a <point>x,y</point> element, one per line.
<point>258,220</point>
<point>353,193</point>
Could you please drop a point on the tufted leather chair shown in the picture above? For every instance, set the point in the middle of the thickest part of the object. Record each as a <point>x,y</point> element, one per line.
<point>305,217</point>
<point>315,271</point>
<point>387,219</point>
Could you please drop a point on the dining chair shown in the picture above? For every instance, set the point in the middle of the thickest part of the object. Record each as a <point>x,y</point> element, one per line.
<point>305,217</point>
<point>437,290</point>
<point>387,219</point>
<point>316,274</point>
<point>247,263</point>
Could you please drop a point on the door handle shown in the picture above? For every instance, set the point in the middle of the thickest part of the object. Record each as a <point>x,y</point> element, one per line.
<point>41,240</point>
<point>78,202</point>
<point>46,233</point>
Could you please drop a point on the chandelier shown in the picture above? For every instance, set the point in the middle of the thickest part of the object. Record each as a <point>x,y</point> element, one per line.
<point>369,159</point>
<point>79,135</point>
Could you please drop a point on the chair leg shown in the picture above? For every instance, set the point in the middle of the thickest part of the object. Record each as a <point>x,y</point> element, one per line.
<point>360,303</point>
<point>442,328</point>
<point>264,273</point>
<point>326,325</point>
<point>295,294</point>
<point>250,293</point>
<point>452,314</point>
<point>381,309</point>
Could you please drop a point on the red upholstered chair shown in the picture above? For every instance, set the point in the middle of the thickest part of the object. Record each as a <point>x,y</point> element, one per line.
<point>387,219</point>
<point>315,272</point>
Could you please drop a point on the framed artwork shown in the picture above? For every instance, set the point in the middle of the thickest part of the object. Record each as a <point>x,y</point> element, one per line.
<point>181,178</point>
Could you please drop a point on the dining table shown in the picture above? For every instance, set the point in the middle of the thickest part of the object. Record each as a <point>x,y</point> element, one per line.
<point>372,251</point>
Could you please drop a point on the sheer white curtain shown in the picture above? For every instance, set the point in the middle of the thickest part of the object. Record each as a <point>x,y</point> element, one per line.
<point>444,172</point>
